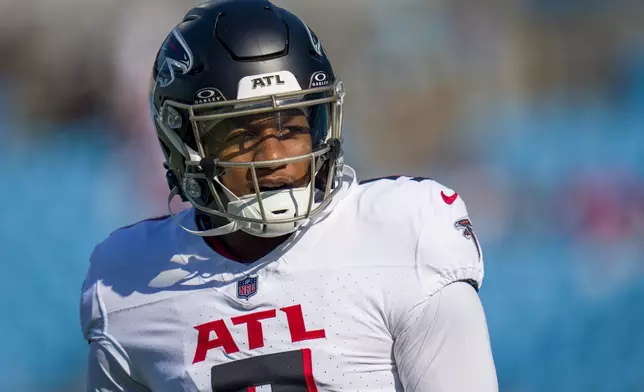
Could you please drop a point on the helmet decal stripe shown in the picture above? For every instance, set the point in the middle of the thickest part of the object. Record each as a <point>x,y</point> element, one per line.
<point>175,56</point>
<point>315,42</point>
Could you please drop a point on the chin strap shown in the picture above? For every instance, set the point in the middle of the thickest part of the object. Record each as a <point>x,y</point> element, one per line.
<point>222,230</point>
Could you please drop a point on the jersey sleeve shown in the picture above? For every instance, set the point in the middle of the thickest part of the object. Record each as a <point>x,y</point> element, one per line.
<point>443,345</point>
<point>109,368</point>
<point>440,334</point>
<point>425,235</point>
<point>448,249</point>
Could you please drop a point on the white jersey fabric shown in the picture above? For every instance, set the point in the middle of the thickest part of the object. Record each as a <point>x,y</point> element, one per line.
<point>372,297</point>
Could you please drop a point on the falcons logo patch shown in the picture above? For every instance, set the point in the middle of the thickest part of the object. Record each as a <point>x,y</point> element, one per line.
<point>465,226</point>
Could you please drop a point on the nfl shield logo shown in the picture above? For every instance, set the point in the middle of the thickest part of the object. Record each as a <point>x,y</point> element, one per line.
<point>247,287</point>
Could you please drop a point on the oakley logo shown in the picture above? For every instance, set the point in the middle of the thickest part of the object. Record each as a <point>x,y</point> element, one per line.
<point>319,79</point>
<point>208,95</point>
<point>266,81</point>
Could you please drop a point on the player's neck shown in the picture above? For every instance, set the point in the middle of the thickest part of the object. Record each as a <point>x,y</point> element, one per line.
<point>239,245</point>
<point>246,248</point>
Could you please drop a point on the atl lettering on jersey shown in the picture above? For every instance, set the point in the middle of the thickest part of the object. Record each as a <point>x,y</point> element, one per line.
<point>253,322</point>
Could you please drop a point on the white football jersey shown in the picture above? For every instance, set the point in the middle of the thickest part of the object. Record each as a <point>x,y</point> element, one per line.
<point>344,305</point>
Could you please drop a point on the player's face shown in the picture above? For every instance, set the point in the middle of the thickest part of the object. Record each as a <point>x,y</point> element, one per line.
<point>262,138</point>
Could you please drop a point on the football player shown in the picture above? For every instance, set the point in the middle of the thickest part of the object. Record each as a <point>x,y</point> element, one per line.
<point>287,274</point>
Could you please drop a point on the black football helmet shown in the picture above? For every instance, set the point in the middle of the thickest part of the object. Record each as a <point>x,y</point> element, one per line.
<point>233,58</point>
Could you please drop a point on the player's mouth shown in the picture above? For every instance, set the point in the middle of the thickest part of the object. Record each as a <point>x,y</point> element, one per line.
<point>275,185</point>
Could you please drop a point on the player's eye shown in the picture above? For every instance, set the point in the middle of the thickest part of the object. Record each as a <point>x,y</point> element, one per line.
<point>240,136</point>
<point>291,131</point>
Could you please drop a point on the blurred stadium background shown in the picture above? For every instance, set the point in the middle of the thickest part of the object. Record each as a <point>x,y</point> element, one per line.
<point>533,110</point>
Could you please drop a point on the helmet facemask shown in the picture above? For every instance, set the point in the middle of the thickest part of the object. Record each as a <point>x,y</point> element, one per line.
<point>224,135</point>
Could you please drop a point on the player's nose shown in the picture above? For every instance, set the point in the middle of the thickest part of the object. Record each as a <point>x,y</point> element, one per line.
<point>270,147</point>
